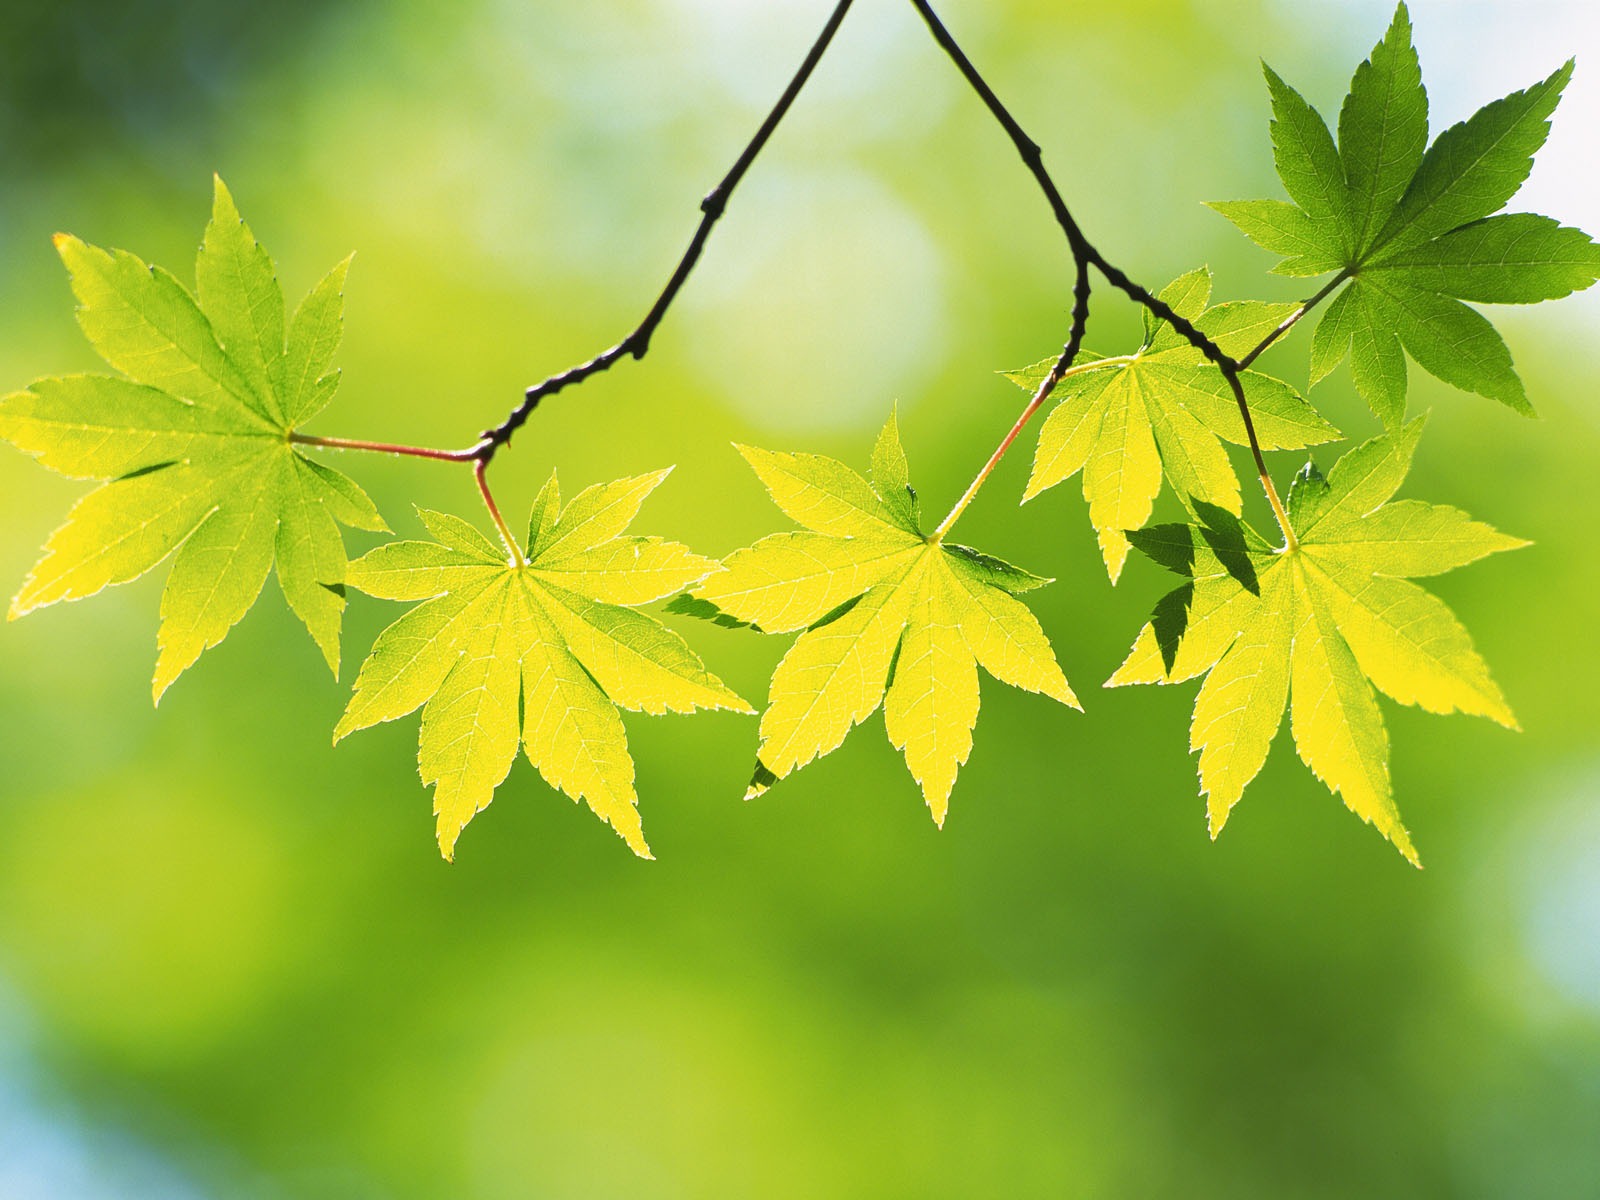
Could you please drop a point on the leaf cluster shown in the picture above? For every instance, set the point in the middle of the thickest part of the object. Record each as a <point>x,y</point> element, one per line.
<point>535,645</point>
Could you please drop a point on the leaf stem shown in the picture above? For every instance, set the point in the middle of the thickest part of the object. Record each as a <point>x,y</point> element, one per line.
<point>1057,374</point>
<point>1084,255</point>
<point>1294,318</point>
<point>306,439</point>
<point>480,468</point>
<point>1290,542</point>
<point>479,463</point>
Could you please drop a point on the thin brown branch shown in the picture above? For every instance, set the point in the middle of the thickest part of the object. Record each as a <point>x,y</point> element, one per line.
<point>1085,254</point>
<point>712,207</point>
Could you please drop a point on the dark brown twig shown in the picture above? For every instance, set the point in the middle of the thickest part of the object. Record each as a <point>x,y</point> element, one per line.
<point>712,207</point>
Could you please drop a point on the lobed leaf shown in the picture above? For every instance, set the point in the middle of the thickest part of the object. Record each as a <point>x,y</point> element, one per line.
<point>1412,227</point>
<point>502,654</point>
<point>1314,627</point>
<point>1164,412</point>
<point>887,616</point>
<point>192,443</point>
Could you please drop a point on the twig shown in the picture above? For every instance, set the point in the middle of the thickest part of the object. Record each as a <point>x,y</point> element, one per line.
<point>1084,254</point>
<point>712,207</point>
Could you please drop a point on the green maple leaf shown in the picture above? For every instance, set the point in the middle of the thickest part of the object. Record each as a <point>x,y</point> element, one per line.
<point>890,616</point>
<point>1165,410</point>
<point>537,654</point>
<point>1315,627</point>
<point>193,438</point>
<point>1414,228</point>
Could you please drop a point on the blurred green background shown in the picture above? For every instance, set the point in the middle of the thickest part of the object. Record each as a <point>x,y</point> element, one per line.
<point>231,961</point>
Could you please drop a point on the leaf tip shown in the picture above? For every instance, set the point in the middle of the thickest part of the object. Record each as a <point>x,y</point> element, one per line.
<point>1216,817</point>
<point>761,780</point>
<point>222,205</point>
<point>748,453</point>
<point>448,835</point>
<point>1116,556</point>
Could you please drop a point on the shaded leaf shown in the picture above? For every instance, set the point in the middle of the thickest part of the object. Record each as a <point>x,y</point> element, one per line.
<point>1414,228</point>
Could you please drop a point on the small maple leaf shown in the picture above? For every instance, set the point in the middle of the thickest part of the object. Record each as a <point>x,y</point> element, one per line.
<point>890,616</point>
<point>1165,410</point>
<point>1413,225</point>
<point>1315,626</point>
<point>193,438</point>
<point>541,653</point>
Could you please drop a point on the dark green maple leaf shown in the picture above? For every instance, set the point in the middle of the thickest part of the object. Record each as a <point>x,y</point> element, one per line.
<point>1413,227</point>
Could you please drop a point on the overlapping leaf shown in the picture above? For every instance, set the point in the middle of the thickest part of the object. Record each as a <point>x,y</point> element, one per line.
<point>889,616</point>
<point>1413,226</point>
<point>541,654</point>
<point>1165,410</point>
<point>1315,627</point>
<point>193,438</point>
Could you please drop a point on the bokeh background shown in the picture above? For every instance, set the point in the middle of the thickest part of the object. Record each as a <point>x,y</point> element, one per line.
<point>231,961</point>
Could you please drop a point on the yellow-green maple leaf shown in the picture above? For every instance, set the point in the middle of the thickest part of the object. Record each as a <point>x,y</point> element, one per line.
<point>193,439</point>
<point>890,616</point>
<point>1165,410</point>
<point>1315,626</point>
<point>537,654</point>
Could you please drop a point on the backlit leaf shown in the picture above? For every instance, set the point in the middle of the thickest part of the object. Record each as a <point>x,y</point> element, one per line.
<point>889,616</point>
<point>193,443</point>
<point>1166,411</point>
<point>502,654</point>
<point>1316,628</point>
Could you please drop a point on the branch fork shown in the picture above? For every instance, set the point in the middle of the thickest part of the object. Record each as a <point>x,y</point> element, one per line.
<point>1085,257</point>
